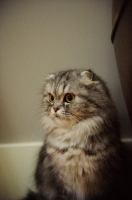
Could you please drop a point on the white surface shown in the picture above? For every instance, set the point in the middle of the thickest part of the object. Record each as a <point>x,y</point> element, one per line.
<point>17,166</point>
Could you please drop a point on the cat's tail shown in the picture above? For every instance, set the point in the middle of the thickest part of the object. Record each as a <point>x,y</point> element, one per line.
<point>33,196</point>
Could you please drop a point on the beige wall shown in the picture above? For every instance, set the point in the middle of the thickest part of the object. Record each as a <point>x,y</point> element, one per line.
<point>36,38</point>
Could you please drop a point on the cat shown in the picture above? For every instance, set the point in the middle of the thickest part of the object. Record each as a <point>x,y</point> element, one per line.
<point>81,156</point>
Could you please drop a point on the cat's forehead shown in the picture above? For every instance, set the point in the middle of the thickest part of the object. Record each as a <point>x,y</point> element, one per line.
<point>61,83</point>
<point>63,88</point>
<point>58,88</point>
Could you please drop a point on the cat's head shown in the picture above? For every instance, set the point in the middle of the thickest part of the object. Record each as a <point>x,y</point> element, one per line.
<point>72,96</point>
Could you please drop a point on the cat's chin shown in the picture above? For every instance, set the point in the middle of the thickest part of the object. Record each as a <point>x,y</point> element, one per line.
<point>62,122</point>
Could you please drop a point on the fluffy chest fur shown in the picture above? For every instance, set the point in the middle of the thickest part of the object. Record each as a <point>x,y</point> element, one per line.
<point>75,162</point>
<point>71,167</point>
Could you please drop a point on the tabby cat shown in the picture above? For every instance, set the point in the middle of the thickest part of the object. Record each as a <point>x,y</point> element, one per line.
<point>81,155</point>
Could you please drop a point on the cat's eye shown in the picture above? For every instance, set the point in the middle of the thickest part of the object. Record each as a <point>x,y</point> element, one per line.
<point>69,98</point>
<point>51,98</point>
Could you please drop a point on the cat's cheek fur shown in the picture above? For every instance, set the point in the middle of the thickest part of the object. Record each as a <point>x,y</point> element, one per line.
<point>48,123</point>
<point>63,138</point>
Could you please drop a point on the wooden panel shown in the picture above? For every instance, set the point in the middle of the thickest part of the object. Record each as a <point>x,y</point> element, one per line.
<point>122,39</point>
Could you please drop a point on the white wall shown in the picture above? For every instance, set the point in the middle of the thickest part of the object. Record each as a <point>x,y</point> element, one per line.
<point>36,38</point>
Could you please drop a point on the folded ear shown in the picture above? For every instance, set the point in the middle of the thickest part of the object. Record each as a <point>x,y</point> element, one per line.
<point>51,77</point>
<point>87,74</point>
<point>87,77</point>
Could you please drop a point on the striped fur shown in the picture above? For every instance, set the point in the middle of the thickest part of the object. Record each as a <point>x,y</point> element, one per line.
<point>80,159</point>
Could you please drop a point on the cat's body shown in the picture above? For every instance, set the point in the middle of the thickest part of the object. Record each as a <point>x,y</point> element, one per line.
<point>80,159</point>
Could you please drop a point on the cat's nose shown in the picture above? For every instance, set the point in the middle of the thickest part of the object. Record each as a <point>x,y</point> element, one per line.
<point>56,109</point>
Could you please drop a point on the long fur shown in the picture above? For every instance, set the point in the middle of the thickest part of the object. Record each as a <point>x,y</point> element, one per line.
<point>81,156</point>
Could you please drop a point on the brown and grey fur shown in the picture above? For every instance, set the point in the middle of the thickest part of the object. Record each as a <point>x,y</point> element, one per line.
<point>80,158</point>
